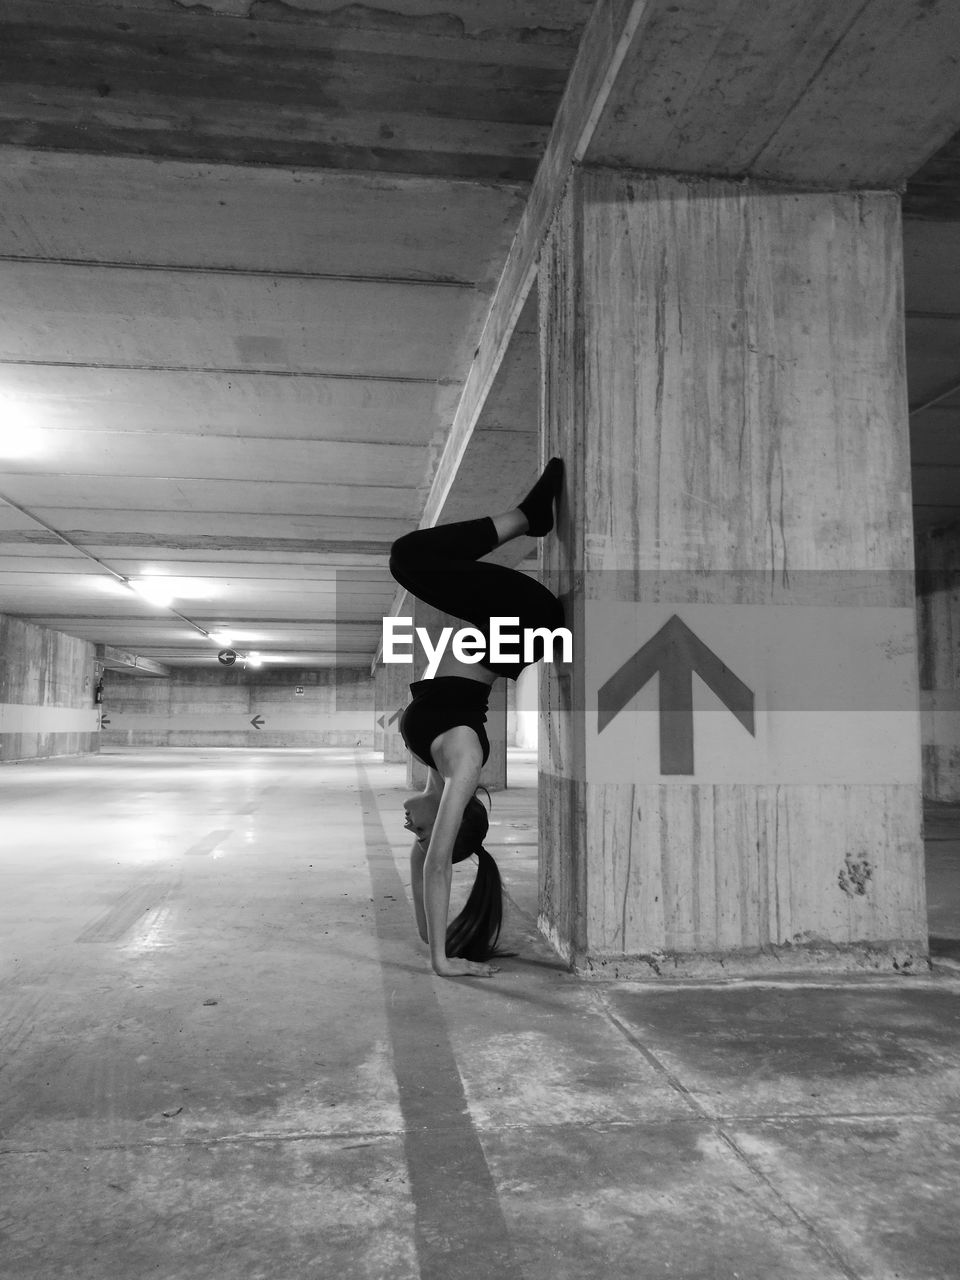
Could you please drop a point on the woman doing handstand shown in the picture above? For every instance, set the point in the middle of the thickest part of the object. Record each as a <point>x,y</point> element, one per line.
<point>443,725</point>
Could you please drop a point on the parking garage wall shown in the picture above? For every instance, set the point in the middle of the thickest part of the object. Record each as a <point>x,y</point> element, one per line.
<point>938,626</point>
<point>46,693</point>
<point>200,707</point>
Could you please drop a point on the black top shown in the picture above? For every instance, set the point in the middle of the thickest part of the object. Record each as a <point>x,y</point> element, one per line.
<point>441,704</point>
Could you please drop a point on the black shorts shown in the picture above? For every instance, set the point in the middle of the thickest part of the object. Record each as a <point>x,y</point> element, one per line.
<point>442,566</point>
<point>442,704</point>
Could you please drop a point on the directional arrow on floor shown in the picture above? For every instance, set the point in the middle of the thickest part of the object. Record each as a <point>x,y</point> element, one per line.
<point>258,722</point>
<point>675,653</point>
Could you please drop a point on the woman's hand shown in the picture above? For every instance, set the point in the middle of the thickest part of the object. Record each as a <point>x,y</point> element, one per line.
<point>455,967</point>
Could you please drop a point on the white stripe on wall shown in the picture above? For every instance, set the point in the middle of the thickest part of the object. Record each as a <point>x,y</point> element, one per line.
<point>25,718</point>
<point>270,720</point>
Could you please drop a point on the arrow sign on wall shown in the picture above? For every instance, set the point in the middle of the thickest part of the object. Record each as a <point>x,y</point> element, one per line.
<point>675,653</point>
<point>258,722</point>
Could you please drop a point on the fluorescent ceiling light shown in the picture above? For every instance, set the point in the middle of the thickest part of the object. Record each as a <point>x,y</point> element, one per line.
<point>20,437</point>
<point>154,590</point>
<point>181,588</point>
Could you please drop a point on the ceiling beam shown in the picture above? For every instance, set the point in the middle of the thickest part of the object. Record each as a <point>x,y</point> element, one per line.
<point>605,43</point>
<point>618,108</point>
<point>604,46</point>
<point>798,93</point>
<point>115,659</point>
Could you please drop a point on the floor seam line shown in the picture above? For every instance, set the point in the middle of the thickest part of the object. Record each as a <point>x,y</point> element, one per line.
<point>729,1141</point>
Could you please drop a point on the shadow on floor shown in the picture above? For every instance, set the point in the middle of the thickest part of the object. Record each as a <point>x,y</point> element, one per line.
<point>942,842</point>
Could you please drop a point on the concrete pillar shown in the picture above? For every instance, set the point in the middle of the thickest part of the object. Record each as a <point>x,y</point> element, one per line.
<point>730,767</point>
<point>379,706</point>
<point>938,617</point>
<point>527,710</point>
<point>510,689</point>
<point>396,695</point>
<point>494,774</point>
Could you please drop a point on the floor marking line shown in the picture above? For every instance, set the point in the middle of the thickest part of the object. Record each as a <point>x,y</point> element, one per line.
<point>209,842</point>
<point>126,911</point>
<point>18,1022</point>
<point>459,1225</point>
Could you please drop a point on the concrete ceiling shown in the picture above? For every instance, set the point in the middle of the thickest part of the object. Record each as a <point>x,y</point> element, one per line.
<point>268,270</point>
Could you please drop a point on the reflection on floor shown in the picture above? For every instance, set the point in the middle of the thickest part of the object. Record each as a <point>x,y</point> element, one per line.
<point>224,1057</point>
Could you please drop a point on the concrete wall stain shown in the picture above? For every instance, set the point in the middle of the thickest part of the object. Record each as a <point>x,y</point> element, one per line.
<point>854,876</point>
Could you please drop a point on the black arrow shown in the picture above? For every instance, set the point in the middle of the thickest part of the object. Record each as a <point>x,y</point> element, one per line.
<point>104,720</point>
<point>257,721</point>
<point>396,715</point>
<point>676,653</point>
<point>380,721</point>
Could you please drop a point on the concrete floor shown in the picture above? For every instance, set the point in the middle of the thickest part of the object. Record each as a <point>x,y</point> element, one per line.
<point>224,1057</point>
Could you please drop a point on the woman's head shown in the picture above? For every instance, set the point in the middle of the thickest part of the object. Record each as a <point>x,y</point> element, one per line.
<point>421,813</point>
<point>474,933</point>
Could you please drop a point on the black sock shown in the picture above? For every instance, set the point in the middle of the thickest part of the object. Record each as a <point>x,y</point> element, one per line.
<point>537,506</point>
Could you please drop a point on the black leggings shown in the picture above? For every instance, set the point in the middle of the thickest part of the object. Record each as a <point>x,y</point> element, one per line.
<point>442,567</point>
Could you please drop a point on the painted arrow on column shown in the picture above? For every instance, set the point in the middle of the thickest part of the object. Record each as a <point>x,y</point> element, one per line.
<point>396,716</point>
<point>258,721</point>
<point>675,653</point>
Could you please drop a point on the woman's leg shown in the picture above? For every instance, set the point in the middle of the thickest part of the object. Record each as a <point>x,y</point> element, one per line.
<point>441,566</point>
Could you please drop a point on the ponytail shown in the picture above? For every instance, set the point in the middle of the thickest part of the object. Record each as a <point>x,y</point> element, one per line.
<point>474,933</point>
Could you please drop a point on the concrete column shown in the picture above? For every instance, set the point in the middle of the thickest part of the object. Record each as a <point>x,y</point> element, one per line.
<point>527,711</point>
<point>730,767</point>
<point>379,706</point>
<point>46,693</point>
<point>396,695</point>
<point>938,615</point>
<point>494,774</point>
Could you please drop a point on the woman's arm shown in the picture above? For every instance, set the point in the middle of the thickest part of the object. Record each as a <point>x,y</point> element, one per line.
<point>418,856</point>
<point>460,759</point>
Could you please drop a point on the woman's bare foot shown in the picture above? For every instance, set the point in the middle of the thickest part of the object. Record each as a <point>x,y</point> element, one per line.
<point>455,967</point>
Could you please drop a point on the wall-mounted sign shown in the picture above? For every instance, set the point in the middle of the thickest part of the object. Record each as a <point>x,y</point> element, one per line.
<point>227,657</point>
<point>760,694</point>
<point>675,654</point>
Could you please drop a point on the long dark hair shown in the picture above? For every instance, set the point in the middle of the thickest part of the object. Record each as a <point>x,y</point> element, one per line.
<point>474,933</point>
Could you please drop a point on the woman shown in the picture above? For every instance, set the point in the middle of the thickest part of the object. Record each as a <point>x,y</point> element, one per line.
<point>443,725</point>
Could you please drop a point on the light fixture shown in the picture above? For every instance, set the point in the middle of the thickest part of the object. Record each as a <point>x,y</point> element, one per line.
<point>222,638</point>
<point>254,659</point>
<point>20,437</point>
<point>153,590</point>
